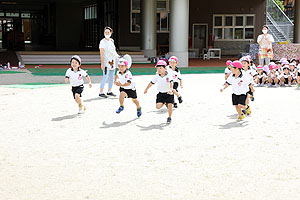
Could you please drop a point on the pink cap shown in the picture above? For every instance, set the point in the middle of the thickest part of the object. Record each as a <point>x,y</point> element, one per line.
<point>236,64</point>
<point>228,62</point>
<point>122,61</point>
<point>161,63</point>
<point>259,67</point>
<point>174,59</point>
<point>273,66</point>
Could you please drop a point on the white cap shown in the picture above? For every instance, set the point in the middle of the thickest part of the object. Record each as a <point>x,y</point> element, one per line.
<point>76,58</point>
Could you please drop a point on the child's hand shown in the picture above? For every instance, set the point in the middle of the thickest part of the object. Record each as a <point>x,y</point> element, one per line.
<point>90,84</point>
<point>181,86</point>
<point>221,90</point>
<point>145,92</point>
<point>117,83</point>
<point>170,91</point>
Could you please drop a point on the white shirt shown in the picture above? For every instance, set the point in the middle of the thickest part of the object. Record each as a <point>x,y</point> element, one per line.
<point>163,83</point>
<point>249,73</point>
<point>110,53</point>
<point>272,75</point>
<point>227,71</point>
<point>76,78</point>
<point>264,43</point>
<point>125,78</point>
<point>176,75</point>
<point>240,84</point>
<point>263,75</point>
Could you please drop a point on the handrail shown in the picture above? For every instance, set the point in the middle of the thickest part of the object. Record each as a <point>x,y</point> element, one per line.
<point>282,12</point>
<point>276,26</point>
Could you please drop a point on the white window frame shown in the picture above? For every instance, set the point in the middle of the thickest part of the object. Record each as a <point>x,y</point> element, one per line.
<point>157,12</point>
<point>234,26</point>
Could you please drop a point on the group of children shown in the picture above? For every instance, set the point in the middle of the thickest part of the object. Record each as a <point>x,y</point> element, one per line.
<point>243,74</point>
<point>167,78</point>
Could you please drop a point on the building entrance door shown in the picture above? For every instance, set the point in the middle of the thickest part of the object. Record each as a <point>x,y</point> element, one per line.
<point>200,37</point>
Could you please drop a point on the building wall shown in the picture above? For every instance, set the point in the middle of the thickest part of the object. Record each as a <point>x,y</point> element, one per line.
<point>200,12</point>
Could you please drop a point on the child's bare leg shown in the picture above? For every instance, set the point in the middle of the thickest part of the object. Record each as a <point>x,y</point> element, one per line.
<point>282,81</point>
<point>247,99</point>
<point>290,80</point>
<point>159,105</point>
<point>276,80</point>
<point>121,98</point>
<point>170,109</point>
<point>238,109</point>
<point>136,102</point>
<point>298,79</point>
<point>78,99</point>
<point>263,80</point>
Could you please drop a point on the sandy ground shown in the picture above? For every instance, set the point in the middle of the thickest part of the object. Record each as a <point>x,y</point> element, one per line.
<point>48,151</point>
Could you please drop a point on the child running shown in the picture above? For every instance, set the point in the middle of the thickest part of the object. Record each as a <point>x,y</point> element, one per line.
<point>240,86</point>
<point>165,88</point>
<point>75,76</point>
<point>123,79</point>
<point>176,75</point>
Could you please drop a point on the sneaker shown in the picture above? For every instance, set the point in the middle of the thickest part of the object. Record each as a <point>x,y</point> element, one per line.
<point>289,85</point>
<point>248,110</point>
<point>276,85</point>
<point>180,99</point>
<point>169,120</point>
<point>139,112</point>
<point>269,85</point>
<point>102,95</point>
<point>244,112</point>
<point>81,109</point>
<point>175,105</point>
<point>241,117</point>
<point>111,94</point>
<point>120,109</point>
<point>252,98</point>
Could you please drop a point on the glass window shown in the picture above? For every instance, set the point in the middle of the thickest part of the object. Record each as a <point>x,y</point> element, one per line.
<point>239,33</point>
<point>249,21</point>
<point>249,33</point>
<point>239,21</point>
<point>218,33</point>
<point>1,14</point>
<point>161,5</point>
<point>136,22</point>
<point>135,5</point>
<point>164,21</point>
<point>228,33</point>
<point>228,21</point>
<point>25,15</point>
<point>218,21</point>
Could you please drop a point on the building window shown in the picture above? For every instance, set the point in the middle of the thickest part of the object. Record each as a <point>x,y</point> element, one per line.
<point>162,16</point>
<point>90,27</point>
<point>233,27</point>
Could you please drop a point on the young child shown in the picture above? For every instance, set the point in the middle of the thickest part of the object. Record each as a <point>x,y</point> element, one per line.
<point>165,88</point>
<point>227,69</point>
<point>260,77</point>
<point>176,76</point>
<point>286,76</point>
<point>273,76</point>
<point>246,68</point>
<point>293,72</point>
<point>75,76</point>
<point>123,79</point>
<point>240,86</point>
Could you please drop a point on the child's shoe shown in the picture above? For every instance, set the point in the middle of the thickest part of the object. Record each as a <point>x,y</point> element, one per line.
<point>241,117</point>
<point>276,85</point>
<point>180,99</point>
<point>248,110</point>
<point>269,85</point>
<point>81,109</point>
<point>289,85</point>
<point>111,94</point>
<point>120,109</point>
<point>175,105</point>
<point>139,112</point>
<point>169,120</point>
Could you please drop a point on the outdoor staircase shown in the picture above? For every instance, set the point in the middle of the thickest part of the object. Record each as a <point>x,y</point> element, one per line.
<point>280,26</point>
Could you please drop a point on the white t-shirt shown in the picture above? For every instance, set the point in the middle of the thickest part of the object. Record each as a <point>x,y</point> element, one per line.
<point>227,71</point>
<point>76,78</point>
<point>163,83</point>
<point>240,84</point>
<point>263,75</point>
<point>176,75</point>
<point>264,43</point>
<point>250,74</point>
<point>124,78</point>
<point>110,53</point>
<point>272,75</point>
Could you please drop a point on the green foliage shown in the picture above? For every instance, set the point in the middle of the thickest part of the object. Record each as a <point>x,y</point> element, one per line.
<point>280,4</point>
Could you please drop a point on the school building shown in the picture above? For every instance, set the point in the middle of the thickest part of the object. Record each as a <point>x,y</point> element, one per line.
<point>184,28</point>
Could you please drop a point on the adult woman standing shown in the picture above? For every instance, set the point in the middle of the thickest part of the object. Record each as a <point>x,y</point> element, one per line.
<point>108,56</point>
<point>265,52</point>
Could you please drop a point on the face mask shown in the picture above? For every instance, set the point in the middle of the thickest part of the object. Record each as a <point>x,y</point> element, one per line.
<point>107,36</point>
<point>264,31</point>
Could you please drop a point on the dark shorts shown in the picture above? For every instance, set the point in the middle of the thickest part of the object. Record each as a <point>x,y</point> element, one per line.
<point>175,86</point>
<point>164,98</point>
<point>130,93</point>
<point>77,90</point>
<point>286,80</point>
<point>239,99</point>
<point>260,80</point>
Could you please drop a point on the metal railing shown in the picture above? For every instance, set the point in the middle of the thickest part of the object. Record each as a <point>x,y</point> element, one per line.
<point>281,22</point>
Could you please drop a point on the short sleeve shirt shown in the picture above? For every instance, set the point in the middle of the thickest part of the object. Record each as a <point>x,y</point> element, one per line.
<point>163,83</point>
<point>125,78</point>
<point>240,84</point>
<point>76,78</point>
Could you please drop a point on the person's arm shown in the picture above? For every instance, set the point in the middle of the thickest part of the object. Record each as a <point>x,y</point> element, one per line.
<point>102,58</point>
<point>89,80</point>
<point>117,83</point>
<point>66,79</point>
<point>171,88</point>
<point>225,86</point>
<point>251,88</point>
<point>126,84</point>
<point>147,88</point>
<point>180,81</point>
